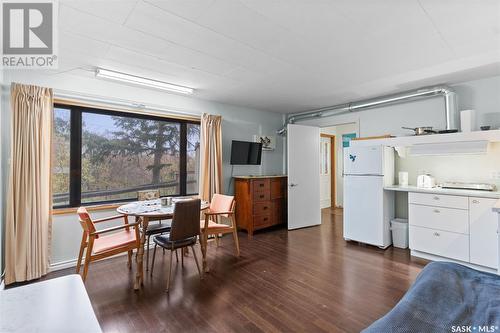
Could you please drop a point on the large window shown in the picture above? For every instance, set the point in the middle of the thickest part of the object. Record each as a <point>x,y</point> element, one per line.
<point>104,156</point>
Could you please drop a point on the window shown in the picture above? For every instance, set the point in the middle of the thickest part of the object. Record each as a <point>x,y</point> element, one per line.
<point>104,156</point>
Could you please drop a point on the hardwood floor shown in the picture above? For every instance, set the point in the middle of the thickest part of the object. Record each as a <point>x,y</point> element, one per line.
<point>307,280</point>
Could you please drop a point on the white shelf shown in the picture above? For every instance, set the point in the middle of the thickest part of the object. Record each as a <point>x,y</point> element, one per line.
<point>402,141</point>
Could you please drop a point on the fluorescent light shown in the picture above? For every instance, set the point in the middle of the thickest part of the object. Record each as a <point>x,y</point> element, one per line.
<point>117,76</point>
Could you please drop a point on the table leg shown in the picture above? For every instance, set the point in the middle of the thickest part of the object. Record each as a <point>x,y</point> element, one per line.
<point>139,278</point>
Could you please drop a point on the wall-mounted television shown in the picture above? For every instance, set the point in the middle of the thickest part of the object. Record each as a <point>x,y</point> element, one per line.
<point>246,153</point>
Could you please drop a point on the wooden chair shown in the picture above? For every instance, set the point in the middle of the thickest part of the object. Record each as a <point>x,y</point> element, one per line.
<point>106,242</point>
<point>184,233</point>
<point>153,229</point>
<point>221,206</point>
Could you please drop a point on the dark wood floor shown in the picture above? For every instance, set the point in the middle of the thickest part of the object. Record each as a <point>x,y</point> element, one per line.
<point>307,280</point>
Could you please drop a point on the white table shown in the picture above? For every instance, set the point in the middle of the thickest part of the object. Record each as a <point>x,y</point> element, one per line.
<point>53,306</point>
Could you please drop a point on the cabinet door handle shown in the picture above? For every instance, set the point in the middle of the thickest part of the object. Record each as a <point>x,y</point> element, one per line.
<point>436,198</point>
<point>437,234</point>
<point>437,211</point>
<point>475,201</point>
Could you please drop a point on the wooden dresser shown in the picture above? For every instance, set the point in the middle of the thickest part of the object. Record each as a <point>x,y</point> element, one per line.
<point>260,201</point>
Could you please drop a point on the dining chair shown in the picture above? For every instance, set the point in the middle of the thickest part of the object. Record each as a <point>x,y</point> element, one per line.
<point>153,229</point>
<point>184,233</point>
<point>220,206</point>
<point>105,242</point>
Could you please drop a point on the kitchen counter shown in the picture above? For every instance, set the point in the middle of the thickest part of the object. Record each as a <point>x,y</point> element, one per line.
<point>257,177</point>
<point>448,191</point>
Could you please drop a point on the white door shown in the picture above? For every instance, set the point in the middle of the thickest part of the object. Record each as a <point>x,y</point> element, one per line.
<point>303,176</point>
<point>483,232</point>
<point>325,172</point>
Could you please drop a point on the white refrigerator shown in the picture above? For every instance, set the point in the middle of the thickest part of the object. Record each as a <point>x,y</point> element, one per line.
<point>368,209</point>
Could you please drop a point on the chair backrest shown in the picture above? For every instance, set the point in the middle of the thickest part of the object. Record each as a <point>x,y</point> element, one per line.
<point>222,203</point>
<point>85,220</point>
<point>186,220</point>
<point>148,195</point>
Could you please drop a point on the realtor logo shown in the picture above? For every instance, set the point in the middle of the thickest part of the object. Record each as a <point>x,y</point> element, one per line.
<point>28,34</point>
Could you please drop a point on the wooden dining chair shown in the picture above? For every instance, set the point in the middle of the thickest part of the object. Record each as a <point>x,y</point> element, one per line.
<point>105,242</point>
<point>221,206</point>
<point>153,229</point>
<point>184,233</point>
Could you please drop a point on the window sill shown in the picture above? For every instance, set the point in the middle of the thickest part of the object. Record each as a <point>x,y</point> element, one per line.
<point>94,208</point>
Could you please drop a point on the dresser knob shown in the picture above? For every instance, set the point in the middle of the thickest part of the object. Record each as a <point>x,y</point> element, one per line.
<point>436,234</point>
<point>261,196</point>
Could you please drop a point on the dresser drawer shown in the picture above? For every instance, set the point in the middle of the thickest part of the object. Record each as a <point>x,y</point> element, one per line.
<point>441,243</point>
<point>262,221</point>
<point>438,200</point>
<point>262,208</point>
<point>447,219</point>
<point>261,196</point>
<point>261,185</point>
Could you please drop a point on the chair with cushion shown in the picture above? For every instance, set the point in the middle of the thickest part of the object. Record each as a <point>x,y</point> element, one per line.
<point>220,206</point>
<point>184,233</point>
<point>153,229</point>
<point>106,242</point>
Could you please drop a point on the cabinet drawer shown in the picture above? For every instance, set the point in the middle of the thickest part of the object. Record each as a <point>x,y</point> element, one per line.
<point>261,196</point>
<point>438,200</point>
<point>441,243</point>
<point>262,208</point>
<point>261,185</point>
<point>262,221</point>
<point>447,219</point>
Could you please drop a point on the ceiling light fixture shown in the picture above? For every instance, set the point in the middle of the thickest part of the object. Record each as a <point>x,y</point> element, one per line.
<point>137,80</point>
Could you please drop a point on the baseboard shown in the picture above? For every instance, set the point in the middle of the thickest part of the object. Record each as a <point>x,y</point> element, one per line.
<point>433,257</point>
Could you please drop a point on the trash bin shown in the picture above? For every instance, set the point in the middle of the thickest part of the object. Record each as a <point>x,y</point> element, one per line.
<point>399,228</point>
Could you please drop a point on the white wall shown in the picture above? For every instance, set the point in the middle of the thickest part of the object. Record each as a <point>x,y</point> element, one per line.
<point>482,95</point>
<point>239,123</point>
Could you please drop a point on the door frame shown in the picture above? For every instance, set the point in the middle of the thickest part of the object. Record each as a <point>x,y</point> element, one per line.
<point>333,169</point>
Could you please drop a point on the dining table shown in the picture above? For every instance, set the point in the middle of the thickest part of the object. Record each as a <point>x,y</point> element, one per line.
<point>145,212</point>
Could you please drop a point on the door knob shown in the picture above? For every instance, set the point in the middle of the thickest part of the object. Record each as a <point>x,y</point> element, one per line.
<point>293,185</point>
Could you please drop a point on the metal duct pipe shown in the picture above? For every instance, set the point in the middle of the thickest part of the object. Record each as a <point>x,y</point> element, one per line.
<point>449,95</point>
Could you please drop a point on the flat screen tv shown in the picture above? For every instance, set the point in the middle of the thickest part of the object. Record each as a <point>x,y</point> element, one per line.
<point>246,153</point>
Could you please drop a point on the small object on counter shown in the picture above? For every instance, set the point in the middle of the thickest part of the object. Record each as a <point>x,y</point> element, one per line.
<point>468,120</point>
<point>403,178</point>
<point>422,130</point>
<point>426,181</point>
<point>485,128</point>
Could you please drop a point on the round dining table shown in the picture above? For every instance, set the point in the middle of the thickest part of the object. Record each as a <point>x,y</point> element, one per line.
<point>146,211</point>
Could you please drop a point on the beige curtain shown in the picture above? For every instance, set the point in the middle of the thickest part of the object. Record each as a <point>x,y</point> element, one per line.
<point>29,201</point>
<point>210,181</point>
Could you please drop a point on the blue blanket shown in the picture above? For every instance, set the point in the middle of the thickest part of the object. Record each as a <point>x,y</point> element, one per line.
<point>446,297</point>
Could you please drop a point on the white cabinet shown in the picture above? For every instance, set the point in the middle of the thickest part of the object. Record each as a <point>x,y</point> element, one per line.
<point>456,227</point>
<point>483,232</point>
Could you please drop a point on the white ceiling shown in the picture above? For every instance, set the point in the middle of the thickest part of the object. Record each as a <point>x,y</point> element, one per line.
<point>284,55</point>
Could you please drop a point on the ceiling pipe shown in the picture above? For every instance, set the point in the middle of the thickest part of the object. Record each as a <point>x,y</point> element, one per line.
<point>450,103</point>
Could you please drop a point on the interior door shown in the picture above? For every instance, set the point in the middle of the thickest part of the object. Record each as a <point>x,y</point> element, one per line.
<point>303,176</point>
<point>325,174</point>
